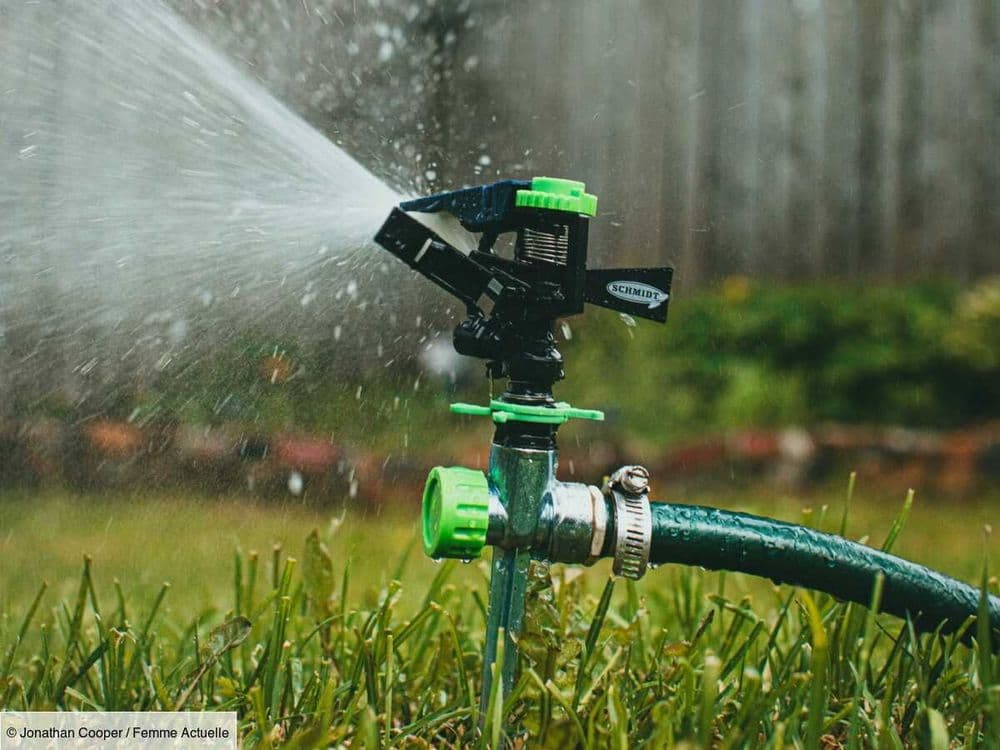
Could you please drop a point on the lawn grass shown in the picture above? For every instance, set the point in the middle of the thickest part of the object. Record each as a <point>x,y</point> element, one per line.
<point>350,637</point>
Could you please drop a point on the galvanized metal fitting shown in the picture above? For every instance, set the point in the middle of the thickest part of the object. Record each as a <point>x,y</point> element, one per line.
<point>600,506</point>
<point>564,522</point>
<point>577,523</point>
<point>628,489</point>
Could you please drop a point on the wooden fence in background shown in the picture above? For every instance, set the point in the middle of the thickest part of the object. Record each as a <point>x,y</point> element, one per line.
<point>774,138</point>
<point>781,138</point>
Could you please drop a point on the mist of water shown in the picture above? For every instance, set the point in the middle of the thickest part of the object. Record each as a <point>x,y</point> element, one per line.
<point>153,197</point>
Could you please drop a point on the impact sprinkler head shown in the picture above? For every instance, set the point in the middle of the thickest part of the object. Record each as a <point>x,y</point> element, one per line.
<point>520,507</point>
<point>511,303</point>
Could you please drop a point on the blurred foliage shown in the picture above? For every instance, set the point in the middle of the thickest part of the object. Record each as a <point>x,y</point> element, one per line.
<point>977,335</point>
<point>924,355</point>
<point>742,355</point>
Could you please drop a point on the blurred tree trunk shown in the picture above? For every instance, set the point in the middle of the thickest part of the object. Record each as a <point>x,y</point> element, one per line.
<point>698,258</point>
<point>985,150</point>
<point>840,140</point>
<point>740,134</point>
<point>677,126</point>
<point>758,251</point>
<point>909,236</point>
<point>805,91</point>
<point>871,126</point>
<point>447,113</point>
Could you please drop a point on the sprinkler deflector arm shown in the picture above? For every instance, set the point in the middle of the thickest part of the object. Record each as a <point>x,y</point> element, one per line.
<point>787,553</point>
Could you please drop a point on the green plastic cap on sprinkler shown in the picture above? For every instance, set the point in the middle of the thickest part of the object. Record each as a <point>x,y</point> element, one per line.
<point>456,512</point>
<point>555,194</point>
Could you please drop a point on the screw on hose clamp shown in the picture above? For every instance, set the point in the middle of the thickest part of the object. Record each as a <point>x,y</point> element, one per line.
<point>628,488</point>
<point>632,479</point>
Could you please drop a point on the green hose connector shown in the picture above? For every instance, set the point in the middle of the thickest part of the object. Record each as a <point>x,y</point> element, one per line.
<point>456,512</point>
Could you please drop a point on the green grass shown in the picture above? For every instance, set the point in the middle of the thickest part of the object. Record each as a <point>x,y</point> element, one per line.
<point>349,637</point>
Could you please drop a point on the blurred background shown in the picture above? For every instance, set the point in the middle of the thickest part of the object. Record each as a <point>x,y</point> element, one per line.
<point>823,176</point>
<point>778,139</point>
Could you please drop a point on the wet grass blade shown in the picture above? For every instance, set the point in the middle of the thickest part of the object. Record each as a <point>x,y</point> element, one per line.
<point>847,503</point>
<point>898,523</point>
<point>492,722</point>
<point>590,643</point>
<point>985,658</point>
<point>227,636</point>
<point>861,665</point>
<point>8,661</point>
<point>709,693</point>
<point>818,687</point>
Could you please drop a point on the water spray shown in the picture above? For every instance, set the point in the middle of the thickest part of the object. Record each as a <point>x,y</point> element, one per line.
<point>520,507</point>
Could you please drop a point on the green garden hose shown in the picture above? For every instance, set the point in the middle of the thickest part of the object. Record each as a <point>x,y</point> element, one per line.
<point>787,553</point>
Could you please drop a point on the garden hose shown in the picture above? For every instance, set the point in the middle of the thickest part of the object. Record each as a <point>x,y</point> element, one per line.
<point>787,553</point>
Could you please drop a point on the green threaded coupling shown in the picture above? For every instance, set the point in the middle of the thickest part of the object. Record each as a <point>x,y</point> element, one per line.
<point>456,512</point>
<point>554,194</point>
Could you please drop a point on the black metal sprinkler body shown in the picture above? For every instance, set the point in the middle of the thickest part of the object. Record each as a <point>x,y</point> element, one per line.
<point>521,508</point>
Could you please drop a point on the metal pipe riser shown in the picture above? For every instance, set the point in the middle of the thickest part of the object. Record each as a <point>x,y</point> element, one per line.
<point>532,515</point>
<point>519,479</point>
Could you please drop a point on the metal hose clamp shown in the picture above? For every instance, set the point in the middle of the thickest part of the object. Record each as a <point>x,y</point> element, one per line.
<point>629,489</point>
